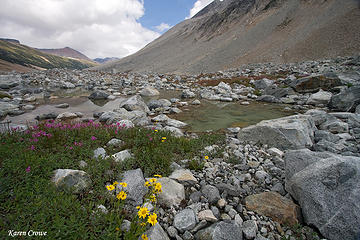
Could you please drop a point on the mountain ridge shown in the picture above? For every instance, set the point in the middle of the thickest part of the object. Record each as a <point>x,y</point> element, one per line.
<point>228,33</point>
<point>16,56</point>
<point>65,52</point>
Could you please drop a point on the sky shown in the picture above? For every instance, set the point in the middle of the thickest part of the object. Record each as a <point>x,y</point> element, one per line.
<point>97,28</point>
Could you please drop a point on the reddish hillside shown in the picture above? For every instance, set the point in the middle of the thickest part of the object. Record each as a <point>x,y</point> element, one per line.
<point>66,52</point>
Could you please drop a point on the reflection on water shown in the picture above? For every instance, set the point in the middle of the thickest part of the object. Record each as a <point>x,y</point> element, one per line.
<point>213,116</point>
<point>209,115</point>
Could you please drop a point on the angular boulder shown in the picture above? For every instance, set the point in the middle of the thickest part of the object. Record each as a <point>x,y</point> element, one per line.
<point>183,176</point>
<point>185,220</point>
<point>134,103</point>
<point>346,101</point>
<point>172,192</point>
<point>328,192</point>
<point>313,84</point>
<point>272,204</point>
<point>293,132</point>
<point>319,98</point>
<point>135,186</point>
<point>75,181</point>
<point>99,95</point>
<point>156,232</point>
<point>220,231</point>
<point>149,91</point>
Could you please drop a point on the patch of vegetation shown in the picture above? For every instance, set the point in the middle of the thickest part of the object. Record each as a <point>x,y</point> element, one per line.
<point>27,56</point>
<point>29,200</point>
<point>257,92</point>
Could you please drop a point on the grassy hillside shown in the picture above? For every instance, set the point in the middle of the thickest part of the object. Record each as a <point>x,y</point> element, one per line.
<point>29,57</point>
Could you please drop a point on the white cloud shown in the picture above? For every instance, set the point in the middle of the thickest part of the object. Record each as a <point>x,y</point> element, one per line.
<point>162,27</point>
<point>198,5</point>
<point>96,28</point>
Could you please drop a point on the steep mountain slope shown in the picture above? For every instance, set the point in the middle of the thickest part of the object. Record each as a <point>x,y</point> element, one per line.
<point>229,33</point>
<point>66,52</point>
<point>29,57</point>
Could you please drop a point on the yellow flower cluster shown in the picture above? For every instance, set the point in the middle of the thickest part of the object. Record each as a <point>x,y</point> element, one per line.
<point>163,139</point>
<point>121,195</point>
<point>144,212</point>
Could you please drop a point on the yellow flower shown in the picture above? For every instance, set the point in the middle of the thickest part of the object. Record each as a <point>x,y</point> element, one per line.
<point>152,219</point>
<point>147,184</point>
<point>152,180</point>
<point>117,229</point>
<point>115,183</point>
<point>206,157</point>
<point>156,130</point>
<point>153,198</point>
<point>143,212</point>
<point>122,195</point>
<point>143,224</point>
<point>137,207</point>
<point>144,237</point>
<point>158,187</point>
<point>110,187</point>
<point>164,138</point>
<point>157,175</point>
<point>124,184</point>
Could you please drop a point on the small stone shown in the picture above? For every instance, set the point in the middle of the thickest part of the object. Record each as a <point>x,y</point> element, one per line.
<point>221,203</point>
<point>122,156</point>
<point>276,152</point>
<point>172,231</point>
<point>184,176</point>
<point>83,164</point>
<point>185,220</point>
<point>250,229</point>
<point>211,193</point>
<point>115,143</point>
<point>99,153</point>
<point>103,209</point>
<point>207,215</point>
<point>62,105</point>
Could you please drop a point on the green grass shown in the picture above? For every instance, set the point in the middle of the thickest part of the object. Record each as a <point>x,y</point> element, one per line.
<point>29,200</point>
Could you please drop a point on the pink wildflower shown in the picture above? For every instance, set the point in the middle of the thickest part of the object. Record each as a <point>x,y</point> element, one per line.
<point>93,138</point>
<point>32,147</point>
<point>28,169</point>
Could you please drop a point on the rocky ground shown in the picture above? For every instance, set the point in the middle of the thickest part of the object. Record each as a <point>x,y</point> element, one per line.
<point>268,178</point>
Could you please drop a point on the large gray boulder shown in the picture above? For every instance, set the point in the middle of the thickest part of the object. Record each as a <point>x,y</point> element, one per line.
<point>319,98</point>
<point>149,91</point>
<point>161,103</point>
<point>328,192</point>
<point>135,186</point>
<point>172,192</point>
<point>346,100</point>
<point>134,103</point>
<point>293,132</point>
<point>297,160</point>
<point>75,181</point>
<point>5,108</point>
<point>156,232</point>
<point>278,92</point>
<point>99,95</point>
<point>220,231</point>
<point>185,220</point>
<point>263,83</point>
<point>9,81</point>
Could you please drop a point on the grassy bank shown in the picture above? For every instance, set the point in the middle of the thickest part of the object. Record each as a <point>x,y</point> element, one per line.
<point>30,201</point>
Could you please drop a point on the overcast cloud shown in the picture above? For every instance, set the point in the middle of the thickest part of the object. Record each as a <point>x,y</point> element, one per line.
<point>97,28</point>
